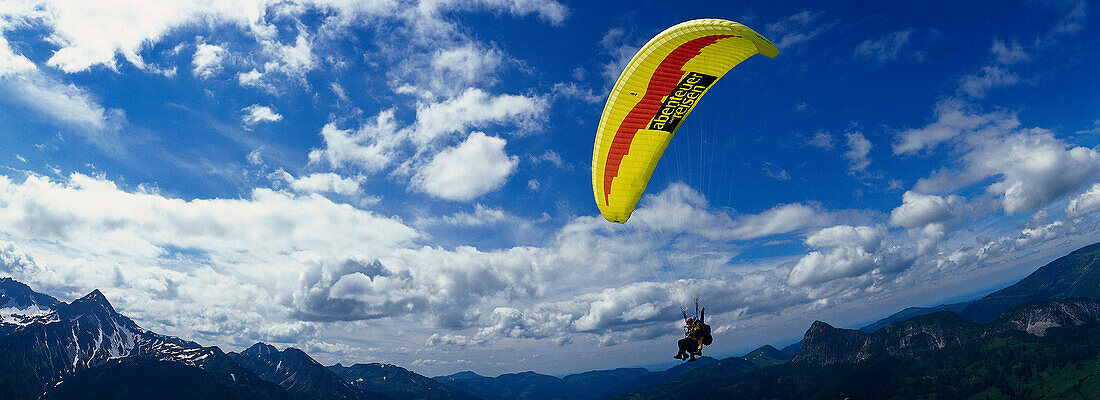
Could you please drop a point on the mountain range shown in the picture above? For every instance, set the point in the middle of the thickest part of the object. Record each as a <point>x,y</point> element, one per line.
<point>589,385</point>
<point>50,349</point>
<point>1039,338</point>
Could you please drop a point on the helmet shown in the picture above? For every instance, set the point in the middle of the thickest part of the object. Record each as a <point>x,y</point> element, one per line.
<point>690,320</point>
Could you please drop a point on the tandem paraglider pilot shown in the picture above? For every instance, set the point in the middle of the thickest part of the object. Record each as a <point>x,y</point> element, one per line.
<point>697,335</point>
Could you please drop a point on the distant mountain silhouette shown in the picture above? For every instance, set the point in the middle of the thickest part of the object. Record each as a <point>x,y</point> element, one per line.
<point>524,385</point>
<point>658,377</point>
<point>589,385</point>
<point>766,356</point>
<point>397,383</point>
<point>600,384</point>
<point>606,383</point>
<point>296,372</point>
<point>791,349</point>
<point>460,376</point>
<point>912,312</point>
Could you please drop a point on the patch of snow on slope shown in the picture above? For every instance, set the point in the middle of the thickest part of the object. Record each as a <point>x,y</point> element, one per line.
<point>23,316</point>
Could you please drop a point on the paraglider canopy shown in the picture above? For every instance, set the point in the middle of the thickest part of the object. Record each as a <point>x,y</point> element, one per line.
<point>655,93</point>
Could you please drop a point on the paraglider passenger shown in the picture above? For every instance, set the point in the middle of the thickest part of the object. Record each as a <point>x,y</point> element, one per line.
<point>697,335</point>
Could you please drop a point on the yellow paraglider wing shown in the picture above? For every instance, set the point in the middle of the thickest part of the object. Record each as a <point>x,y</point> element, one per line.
<point>657,90</point>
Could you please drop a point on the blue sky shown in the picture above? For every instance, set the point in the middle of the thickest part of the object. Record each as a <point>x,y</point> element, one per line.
<point>408,182</point>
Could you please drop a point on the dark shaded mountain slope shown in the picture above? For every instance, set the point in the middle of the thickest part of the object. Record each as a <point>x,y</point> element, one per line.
<point>147,378</point>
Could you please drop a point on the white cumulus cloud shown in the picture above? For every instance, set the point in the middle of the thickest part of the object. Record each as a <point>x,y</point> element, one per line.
<point>256,114</point>
<point>475,108</point>
<point>845,251</point>
<point>207,60</point>
<point>93,33</point>
<point>918,210</point>
<point>371,147</point>
<point>1085,203</point>
<point>12,63</point>
<point>475,167</point>
<point>1031,168</point>
<point>320,183</point>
